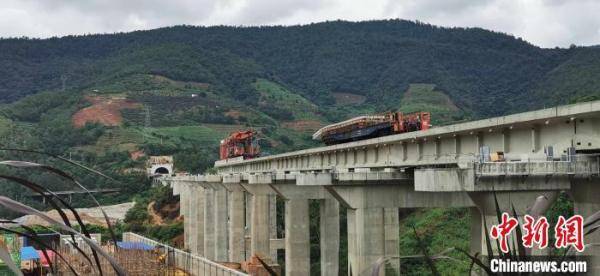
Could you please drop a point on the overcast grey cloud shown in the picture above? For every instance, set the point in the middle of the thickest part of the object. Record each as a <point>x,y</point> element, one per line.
<point>547,23</point>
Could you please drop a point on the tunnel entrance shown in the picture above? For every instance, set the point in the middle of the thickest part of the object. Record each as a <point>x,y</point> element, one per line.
<point>161,170</point>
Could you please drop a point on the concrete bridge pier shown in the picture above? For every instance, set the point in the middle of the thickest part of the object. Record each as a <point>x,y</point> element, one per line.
<point>197,215</point>
<point>477,239</point>
<point>373,233</point>
<point>330,236</point>
<point>273,224</point>
<point>297,229</point>
<point>373,215</point>
<point>260,236</point>
<point>248,222</point>
<point>192,213</point>
<point>586,197</point>
<point>209,223</point>
<point>221,223</point>
<point>236,201</point>
<point>297,240</point>
<point>185,211</point>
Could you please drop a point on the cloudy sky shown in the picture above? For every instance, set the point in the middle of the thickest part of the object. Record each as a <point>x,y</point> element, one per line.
<point>547,23</point>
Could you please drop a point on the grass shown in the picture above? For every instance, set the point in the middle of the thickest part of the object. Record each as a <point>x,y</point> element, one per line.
<point>342,98</point>
<point>129,138</point>
<point>145,83</point>
<point>277,96</point>
<point>116,139</point>
<point>424,97</point>
<point>4,125</point>
<point>196,134</point>
<point>225,129</point>
<point>155,85</point>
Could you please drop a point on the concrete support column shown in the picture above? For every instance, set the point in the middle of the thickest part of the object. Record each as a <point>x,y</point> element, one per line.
<point>372,234</point>
<point>476,231</point>
<point>586,197</point>
<point>192,221</point>
<point>273,223</point>
<point>297,242</point>
<point>221,219</point>
<point>330,236</point>
<point>209,224</point>
<point>248,223</point>
<point>199,220</point>
<point>236,224</point>
<point>391,221</point>
<point>259,232</point>
<point>184,210</point>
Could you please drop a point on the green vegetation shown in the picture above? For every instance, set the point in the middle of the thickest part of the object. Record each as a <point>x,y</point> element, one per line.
<point>115,139</point>
<point>342,98</point>
<point>5,125</point>
<point>439,229</point>
<point>176,135</point>
<point>481,71</point>
<point>282,104</point>
<point>573,81</point>
<point>424,97</point>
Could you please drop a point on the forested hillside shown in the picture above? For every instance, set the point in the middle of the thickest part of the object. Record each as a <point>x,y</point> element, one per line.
<point>481,71</point>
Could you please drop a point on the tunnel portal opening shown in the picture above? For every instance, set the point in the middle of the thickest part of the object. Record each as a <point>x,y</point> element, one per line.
<point>161,170</point>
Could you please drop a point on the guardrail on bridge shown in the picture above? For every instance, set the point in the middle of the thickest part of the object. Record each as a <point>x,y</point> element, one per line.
<point>576,166</point>
<point>193,264</point>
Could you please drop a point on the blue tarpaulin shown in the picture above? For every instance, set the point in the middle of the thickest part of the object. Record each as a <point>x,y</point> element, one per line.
<point>29,253</point>
<point>134,245</point>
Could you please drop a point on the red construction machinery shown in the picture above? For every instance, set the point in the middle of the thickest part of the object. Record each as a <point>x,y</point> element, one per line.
<point>240,143</point>
<point>365,127</point>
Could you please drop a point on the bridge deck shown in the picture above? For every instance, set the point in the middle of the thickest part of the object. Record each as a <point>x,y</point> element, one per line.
<point>520,134</point>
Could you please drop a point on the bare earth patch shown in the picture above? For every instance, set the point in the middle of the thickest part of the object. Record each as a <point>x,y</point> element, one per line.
<point>135,155</point>
<point>104,110</point>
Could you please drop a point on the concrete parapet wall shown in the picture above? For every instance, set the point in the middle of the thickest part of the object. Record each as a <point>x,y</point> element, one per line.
<point>232,178</point>
<point>399,196</point>
<point>444,180</point>
<point>370,176</point>
<point>314,179</point>
<point>530,183</point>
<point>260,179</point>
<point>213,178</point>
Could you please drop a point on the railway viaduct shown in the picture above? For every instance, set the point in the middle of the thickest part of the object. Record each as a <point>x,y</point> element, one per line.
<point>546,151</point>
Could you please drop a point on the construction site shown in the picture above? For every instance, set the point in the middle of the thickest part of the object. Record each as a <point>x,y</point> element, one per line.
<point>136,260</point>
<point>135,255</point>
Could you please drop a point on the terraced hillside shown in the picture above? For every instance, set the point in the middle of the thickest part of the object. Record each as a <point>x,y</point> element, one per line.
<point>425,97</point>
